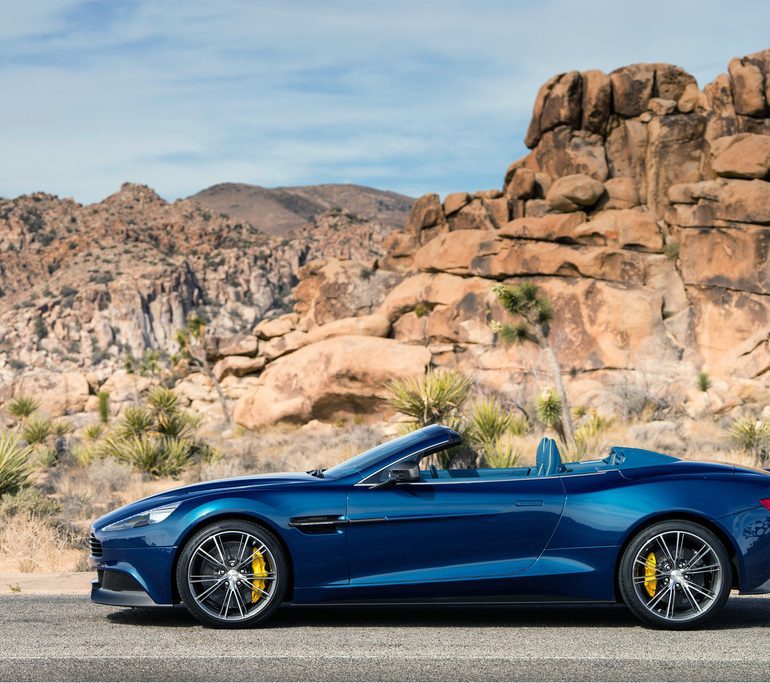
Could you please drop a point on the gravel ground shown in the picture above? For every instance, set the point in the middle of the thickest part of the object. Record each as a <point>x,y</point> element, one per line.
<point>67,638</point>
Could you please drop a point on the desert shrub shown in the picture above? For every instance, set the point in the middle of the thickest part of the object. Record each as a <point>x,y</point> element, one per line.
<point>36,430</point>
<point>61,428</point>
<point>29,500</point>
<point>548,409</point>
<point>103,408</point>
<point>421,309</point>
<point>489,421</point>
<point>33,543</point>
<point>22,407</point>
<point>157,437</point>
<point>752,436</point>
<point>520,425</point>
<point>703,381</point>
<point>14,463</point>
<point>671,250</point>
<point>501,453</point>
<point>434,397</point>
<point>92,432</point>
<point>588,435</point>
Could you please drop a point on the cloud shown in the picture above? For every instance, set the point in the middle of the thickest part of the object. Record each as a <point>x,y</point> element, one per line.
<point>409,96</point>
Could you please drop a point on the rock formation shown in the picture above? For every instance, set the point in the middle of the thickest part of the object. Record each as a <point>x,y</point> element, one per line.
<point>642,210</point>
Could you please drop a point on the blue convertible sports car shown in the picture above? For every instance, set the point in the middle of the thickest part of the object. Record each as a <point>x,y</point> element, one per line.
<point>670,538</point>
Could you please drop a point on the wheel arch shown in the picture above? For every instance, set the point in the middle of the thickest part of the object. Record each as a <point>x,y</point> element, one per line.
<point>241,516</point>
<point>690,516</point>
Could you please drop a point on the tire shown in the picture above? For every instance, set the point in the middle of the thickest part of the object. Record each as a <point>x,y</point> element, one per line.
<point>216,574</point>
<point>675,575</point>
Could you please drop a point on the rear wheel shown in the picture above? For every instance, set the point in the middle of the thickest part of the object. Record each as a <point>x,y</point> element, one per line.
<point>232,574</point>
<point>675,575</point>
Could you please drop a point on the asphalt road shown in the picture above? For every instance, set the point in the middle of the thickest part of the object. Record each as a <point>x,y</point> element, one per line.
<point>67,638</point>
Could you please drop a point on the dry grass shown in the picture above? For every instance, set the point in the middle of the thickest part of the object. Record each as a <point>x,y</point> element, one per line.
<point>31,543</point>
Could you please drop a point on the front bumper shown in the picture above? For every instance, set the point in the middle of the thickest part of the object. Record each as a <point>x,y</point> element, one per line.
<point>133,577</point>
<point>115,588</point>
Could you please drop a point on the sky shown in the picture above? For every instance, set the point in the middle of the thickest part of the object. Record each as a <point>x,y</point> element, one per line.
<point>405,95</point>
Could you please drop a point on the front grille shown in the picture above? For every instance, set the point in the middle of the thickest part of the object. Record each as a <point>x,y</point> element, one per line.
<point>95,546</point>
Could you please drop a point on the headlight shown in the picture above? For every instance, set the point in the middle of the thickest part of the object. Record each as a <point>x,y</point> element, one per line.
<point>153,516</point>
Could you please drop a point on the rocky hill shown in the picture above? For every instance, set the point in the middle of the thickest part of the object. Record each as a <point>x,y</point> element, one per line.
<point>282,210</point>
<point>642,210</point>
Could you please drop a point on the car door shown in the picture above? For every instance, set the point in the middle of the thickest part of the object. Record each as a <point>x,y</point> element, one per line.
<point>455,529</point>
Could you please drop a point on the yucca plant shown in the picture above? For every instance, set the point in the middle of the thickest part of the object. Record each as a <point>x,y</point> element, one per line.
<point>92,432</point>
<point>430,398</point>
<point>501,453</point>
<point>548,408</point>
<point>703,381</point>
<point>36,430</point>
<point>14,463</point>
<point>135,421</point>
<point>157,456</point>
<point>103,406</point>
<point>61,427</point>
<point>533,314</point>
<point>22,407</point>
<point>520,425</point>
<point>162,401</point>
<point>589,434</point>
<point>489,421</point>
<point>752,436</point>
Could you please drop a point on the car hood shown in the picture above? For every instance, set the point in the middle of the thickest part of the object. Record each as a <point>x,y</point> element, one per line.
<point>252,482</point>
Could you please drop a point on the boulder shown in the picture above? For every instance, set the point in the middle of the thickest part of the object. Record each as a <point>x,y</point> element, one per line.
<point>558,102</point>
<point>629,228</point>
<point>622,193</point>
<point>551,228</point>
<point>238,366</point>
<point>692,99</point>
<point>374,325</point>
<point>671,81</point>
<point>748,86</point>
<point>59,393</point>
<point>123,386</point>
<point>334,377</point>
<point>522,184</point>
<point>564,151</point>
<point>426,213</point>
<point>455,201</point>
<point>275,327</point>
<point>597,98</point>
<point>632,89</point>
<point>741,156</point>
<point>574,191</point>
<point>235,345</point>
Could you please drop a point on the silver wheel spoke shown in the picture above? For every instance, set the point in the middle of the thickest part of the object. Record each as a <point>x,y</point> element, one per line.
<point>695,558</point>
<point>220,550</point>
<point>209,557</point>
<point>664,547</point>
<point>679,546</point>
<point>671,603</point>
<point>256,588</point>
<point>702,570</point>
<point>239,602</point>
<point>658,597</point>
<point>207,593</point>
<point>226,604</point>
<point>702,591</point>
<point>691,598</point>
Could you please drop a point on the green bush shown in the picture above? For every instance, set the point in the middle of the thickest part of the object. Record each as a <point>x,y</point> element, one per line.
<point>501,453</point>
<point>29,500</point>
<point>752,436</point>
<point>103,398</point>
<point>489,421</point>
<point>431,398</point>
<point>157,437</point>
<point>703,381</point>
<point>589,434</point>
<point>14,463</point>
<point>548,409</point>
<point>22,407</point>
<point>36,430</point>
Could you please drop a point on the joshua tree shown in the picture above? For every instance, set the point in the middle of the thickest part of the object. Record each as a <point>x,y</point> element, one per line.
<point>192,342</point>
<point>533,314</point>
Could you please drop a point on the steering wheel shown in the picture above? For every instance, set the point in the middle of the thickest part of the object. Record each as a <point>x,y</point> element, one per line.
<point>433,472</point>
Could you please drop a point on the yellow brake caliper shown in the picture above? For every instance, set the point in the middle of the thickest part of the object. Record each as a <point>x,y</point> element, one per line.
<point>650,570</point>
<point>258,568</point>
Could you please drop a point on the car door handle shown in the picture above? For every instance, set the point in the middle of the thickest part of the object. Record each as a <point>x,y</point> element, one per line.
<point>528,503</point>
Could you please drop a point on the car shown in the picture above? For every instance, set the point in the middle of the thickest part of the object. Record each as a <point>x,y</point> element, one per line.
<point>668,537</point>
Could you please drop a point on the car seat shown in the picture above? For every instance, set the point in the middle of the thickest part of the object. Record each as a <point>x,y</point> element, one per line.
<point>547,459</point>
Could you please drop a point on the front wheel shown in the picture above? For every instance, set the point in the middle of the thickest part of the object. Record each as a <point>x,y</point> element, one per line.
<point>232,574</point>
<point>675,575</point>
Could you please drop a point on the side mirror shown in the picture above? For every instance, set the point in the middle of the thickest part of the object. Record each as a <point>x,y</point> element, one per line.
<point>403,474</point>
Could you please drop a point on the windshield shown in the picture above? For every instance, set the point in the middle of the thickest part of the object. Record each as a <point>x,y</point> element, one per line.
<point>365,460</point>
